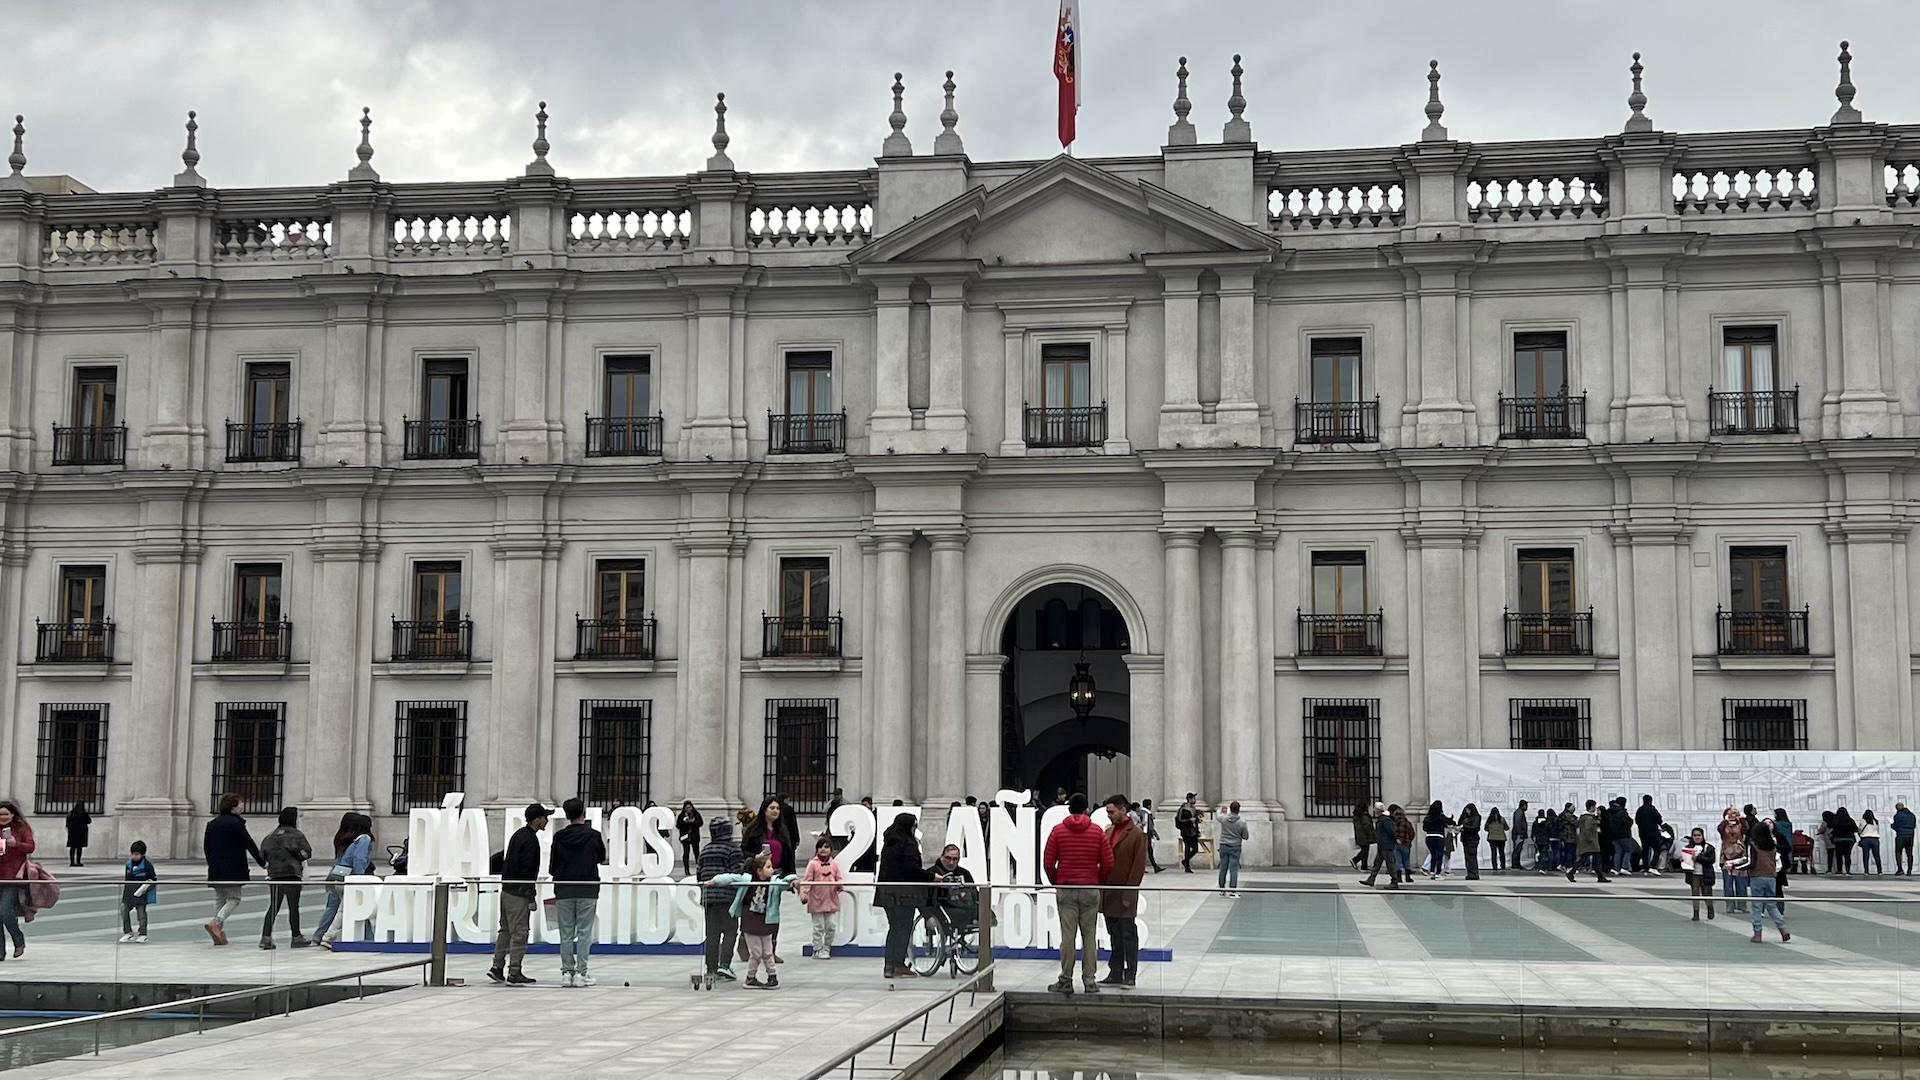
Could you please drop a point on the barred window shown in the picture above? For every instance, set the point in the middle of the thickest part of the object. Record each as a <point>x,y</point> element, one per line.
<point>1342,755</point>
<point>1764,723</point>
<point>802,750</point>
<point>248,750</point>
<point>429,752</point>
<point>616,752</point>
<point>1550,723</point>
<point>73,759</point>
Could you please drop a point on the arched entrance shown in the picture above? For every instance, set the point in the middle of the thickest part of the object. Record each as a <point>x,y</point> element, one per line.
<point>1046,742</point>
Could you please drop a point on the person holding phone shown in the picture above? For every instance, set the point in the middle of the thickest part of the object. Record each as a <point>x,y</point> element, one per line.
<point>1697,859</point>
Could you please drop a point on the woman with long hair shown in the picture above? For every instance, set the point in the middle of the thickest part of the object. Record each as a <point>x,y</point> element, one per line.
<point>78,821</point>
<point>1496,840</point>
<point>1870,844</point>
<point>1846,832</point>
<point>16,843</point>
<point>1434,826</point>
<point>688,824</point>
<point>1733,845</point>
<point>1697,859</point>
<point>900,891</point>
<point>352,855</point>
<point>772,830</point>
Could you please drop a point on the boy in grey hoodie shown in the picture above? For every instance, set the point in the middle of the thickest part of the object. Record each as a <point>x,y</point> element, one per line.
<point>1233,833</point>
<point>720,856</point>
<point>286,851</point>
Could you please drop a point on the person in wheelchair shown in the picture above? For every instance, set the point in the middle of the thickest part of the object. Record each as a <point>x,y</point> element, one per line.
<point>955,900</point>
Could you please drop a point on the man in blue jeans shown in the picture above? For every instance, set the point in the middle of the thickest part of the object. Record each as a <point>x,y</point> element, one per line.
<point>1233,833</point>
<point>574,862</point>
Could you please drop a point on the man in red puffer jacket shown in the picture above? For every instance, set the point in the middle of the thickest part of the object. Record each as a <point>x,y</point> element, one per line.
<point>1077,860</point>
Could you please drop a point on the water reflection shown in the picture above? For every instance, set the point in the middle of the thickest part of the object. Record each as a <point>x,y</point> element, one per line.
<point>1065,1058</point>
<point>37,1049</point>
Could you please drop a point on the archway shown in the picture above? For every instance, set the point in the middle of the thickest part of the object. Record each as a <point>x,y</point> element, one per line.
<point>1045,743</point>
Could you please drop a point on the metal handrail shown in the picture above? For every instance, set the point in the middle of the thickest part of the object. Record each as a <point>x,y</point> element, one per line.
<point>203,1001</point>
<point>924,1013</point>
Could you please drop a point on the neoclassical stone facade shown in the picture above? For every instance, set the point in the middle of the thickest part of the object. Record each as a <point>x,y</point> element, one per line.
<point>696,486</point>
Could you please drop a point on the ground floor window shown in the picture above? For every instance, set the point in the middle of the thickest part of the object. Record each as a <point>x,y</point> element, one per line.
<point>248,742</point>
<point>73,759</point>
<point>616,753</point>
<point>802,754</point>
<point>1342,755</point>
<point>1764,723</point>
<point>1550,723</point>
<point>429,752</point>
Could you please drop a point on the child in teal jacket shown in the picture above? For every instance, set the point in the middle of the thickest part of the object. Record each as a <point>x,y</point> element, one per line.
<point>757,905</point>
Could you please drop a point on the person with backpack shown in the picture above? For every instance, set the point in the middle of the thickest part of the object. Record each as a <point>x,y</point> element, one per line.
<point>287,851</point>
<point>138,892</point>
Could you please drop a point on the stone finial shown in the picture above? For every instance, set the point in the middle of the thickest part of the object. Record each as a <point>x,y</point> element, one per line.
<point>190,157</point>
<point>948,141</point>
<point>897,144</point>
<point>1435,131</point>
<point>1846,113</point>
<point>17,160</point>
<point>1637,101</point>
<point>539,166</point>
<point>720,162</point>
<point>1237,130</point>
<point>364,170</point>
<point>1180,132</point>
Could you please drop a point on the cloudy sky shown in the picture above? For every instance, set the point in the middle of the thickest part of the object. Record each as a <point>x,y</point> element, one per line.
<point>105,85</point>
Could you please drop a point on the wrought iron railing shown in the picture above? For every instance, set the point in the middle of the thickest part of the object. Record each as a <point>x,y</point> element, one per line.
<point>1082,425</point>
<point>90,445</point>
<point>786,635</point>
<point>807,433</point>
<point>75,642</point>
<point>241,642</point>
<point>1341,635</point>
<point>1753,412</point>
<point>623,436</point>
<point>263,442</point>
<point>432,639</point>
<point>613,639</point>
<point>1322,422</point>
<point>441,440</point>
<point>1762,633</point>
<point>1550,633</point>
<point>1561,417</point>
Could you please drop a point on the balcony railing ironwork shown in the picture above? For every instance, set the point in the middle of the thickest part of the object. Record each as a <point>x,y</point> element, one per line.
<point>1341,635</point>
<point>73,642</point>
<point>1082,425</point>
<point>623,436</point>
<point>792,635</point>
<point>1560,417</point>
<point>263,442</point>
<point>807,433</point>
<point>426,640</point>
<point>1325,422</point>
<point>252,642</point>
<point>1753,412</point>
<point>441,440</point>
<point>1762,633</point>
<point>90,445</point>
<point>1550,633</point>
<point>613,639</point>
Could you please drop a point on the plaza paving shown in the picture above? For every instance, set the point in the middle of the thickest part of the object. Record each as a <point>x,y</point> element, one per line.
<point>1508,940</point>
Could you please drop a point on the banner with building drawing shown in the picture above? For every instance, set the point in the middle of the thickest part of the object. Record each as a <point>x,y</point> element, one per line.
<point>1691,787</point>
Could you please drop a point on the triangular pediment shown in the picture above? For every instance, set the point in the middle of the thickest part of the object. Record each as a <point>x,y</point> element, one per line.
<point>1064,211</point>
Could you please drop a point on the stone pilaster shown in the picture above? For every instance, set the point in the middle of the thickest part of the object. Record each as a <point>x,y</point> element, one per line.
<point>946,675</point>
<point>893,696</point>
<point>1868,519</point>
<point>149,746</point>
<point>177,308</point>
<point>1648,404</point>
<point>1183,736</point>
<point>1442,667</point>
<point>338,635</point>
<point>352,431</point>
<point>716,310</point>
<point>1440,390</point>
<point>983,722</point>
<point>534,303</point>
<point>525,540</point>
<point>1856,267</point>
<point>19,334</point>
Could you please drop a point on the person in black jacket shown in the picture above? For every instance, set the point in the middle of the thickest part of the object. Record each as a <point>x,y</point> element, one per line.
<point>1647,819</point>
<point>574,864</point>
<point>77,821</point>
<point>720,856</point>
<point>519,871</point>
<point>228,846</point>
<point>900,891</point>
<point>688,825</point>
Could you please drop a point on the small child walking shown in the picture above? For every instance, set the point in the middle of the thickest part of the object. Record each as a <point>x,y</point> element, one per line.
<point>137,893</point>
<point>756,903</point>
<point>820,889</point>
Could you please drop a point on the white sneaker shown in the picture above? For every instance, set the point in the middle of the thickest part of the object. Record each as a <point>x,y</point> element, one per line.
<point>583,980</point>
<point>140,939</point>
<point>566,979</point>
<point>126,939</point>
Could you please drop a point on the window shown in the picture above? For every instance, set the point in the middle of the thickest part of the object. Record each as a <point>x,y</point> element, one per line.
<point>443,390</point>
<point>1751,358</point>
<point>615,754</point>
<point>73,759</point>
<point>429,752</point>
<point>809,383</point>
<point>258,631</point>
<point>622,589</point>
<point>626,390</point>
<point>1757,579</point>
<point>805,589</point>
<point>268,393</point>
<point>436,592</point>
<point>1339,582</point>
<point>1335,370</point>
<point>1066,376</point>
<point>96,397</point>
<point>83,594</point>
<point>1546,581</point>
<point>1764,723</point>
<point>1342,755</point>
<point>1540,365</point>
<point>256,593</point>
<point>801,750</point>
<point>248,738</point>
<point>1550,723</point>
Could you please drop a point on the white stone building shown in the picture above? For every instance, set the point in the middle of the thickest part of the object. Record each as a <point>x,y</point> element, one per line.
<point>702,486</point>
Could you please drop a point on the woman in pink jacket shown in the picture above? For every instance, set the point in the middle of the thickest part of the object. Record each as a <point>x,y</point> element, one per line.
<point>820,890</point>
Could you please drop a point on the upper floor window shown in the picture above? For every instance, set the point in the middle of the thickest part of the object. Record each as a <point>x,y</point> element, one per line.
<point>96,436</point>
<point>626,390</point>
<point>83,592</point>
<point>1066,376</point>
<point>96,396</point>
<point>805,588</point>
<point>1546,581</point>
<point>1339,582</point>
<point>1335,374</point>
<point>809,383</point>
<point>1757,578</point>
<point>1751,358</point>
<point>436,592</point>
<point>443,390</point>
<point>1540,365</point>
<point>1546,623</point>
<point>622,588</point>
<point>257,593</point>
<point>269,393</point>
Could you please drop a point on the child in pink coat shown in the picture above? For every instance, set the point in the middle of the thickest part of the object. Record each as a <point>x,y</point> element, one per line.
<point>820,889</point>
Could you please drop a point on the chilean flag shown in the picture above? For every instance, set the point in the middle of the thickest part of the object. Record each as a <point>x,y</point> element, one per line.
<point>1066,68</point>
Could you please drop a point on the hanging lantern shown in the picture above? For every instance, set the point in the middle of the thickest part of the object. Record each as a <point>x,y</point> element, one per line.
<point>1080,691</point>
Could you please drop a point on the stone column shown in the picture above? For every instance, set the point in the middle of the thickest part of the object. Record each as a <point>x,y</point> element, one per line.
<point>982,722</point>
<point>701,712</point>
<point>946,666</point>
<point>1183,733</point>
<point>338,635</point>
<point>1239,669</point>
<point>1147,731</point>
<point>1013,392</point>
<point>521,729</point>
<point>891,309</point>
<point>148,746</point>
<point>1854,267</point>
<point>893,705</point>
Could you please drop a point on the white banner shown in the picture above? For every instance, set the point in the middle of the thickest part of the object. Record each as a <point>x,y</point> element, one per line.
<point>1691,787</point>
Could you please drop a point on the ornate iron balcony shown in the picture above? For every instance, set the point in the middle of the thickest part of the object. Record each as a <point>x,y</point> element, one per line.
<point>252,642</point>
<point>1550,633</point>
<point>263,442</point>
<point>441,440</point>
<point>1084,425</point>
<point>74,642</point>
<point>90,445</point>
<point>797,636</point>
<point>806,433</point>
<point>1341,635</point>
<point>1562,417</point>
<point>613,639</point>
<point>1753,412</point>
<point>623,436</point>
<point>1762,633</point>
<point>426,640</point>
<point>1326,422</point>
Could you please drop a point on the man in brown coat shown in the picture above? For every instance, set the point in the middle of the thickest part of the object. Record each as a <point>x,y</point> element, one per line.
<point>1122,906</point>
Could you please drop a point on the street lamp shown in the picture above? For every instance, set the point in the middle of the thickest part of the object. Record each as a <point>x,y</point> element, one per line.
<point>1080,691</point>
